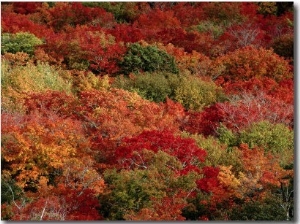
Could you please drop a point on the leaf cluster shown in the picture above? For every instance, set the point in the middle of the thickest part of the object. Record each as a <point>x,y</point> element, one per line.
<point>19,42</point>
<point>147,59</point>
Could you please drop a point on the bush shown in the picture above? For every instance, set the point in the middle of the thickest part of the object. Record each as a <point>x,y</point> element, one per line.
<point>147,59</point>
<point>19,42</point>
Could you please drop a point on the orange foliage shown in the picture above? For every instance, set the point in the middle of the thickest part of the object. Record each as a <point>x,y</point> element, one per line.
<point>165,209</point>
<point>36,147</point>
<point>260,172</point>
<point>249,62</point>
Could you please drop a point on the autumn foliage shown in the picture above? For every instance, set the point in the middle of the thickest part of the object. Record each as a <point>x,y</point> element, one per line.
<point>147,111</point>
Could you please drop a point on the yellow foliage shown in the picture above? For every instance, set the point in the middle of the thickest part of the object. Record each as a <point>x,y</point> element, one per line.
<point>267,8</point>
<point>20,77</point>
<point>88,81</point>
<point>228,180</point>
<point>194,93</point>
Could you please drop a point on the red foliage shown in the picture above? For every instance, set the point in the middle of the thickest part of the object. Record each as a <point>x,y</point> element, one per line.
<point>109,116</point>
<point>65,14</point>
<point>188,14</point>
<point>276,26</point>
<point>239,114</point>
<point>209,181</point>
<point>284,90</point>
<point>126,33</point>
<point>242,35</point>
<point>185,150</point>
<point>55,101</point>
<point>63,204</point>
<point>205,122</point>
<point>89,44</point>
<point>262,172</point>
<point>154,21</point>
<point>249,10</point>
<point>165,209</point>
<point>26,7</point>
<point>14,23</point>
<point>249,109</point>
<point>194,41</point>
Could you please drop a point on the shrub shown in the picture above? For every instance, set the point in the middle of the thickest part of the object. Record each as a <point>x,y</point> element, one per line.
<point>19,42</point>
<point>147,59</point>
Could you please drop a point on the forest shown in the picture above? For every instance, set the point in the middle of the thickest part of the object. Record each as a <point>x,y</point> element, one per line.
<point>158,111</point>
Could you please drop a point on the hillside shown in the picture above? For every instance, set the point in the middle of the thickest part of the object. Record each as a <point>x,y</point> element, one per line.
<point>140,111</point>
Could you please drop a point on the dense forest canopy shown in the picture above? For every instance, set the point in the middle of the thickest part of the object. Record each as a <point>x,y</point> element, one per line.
<point>147,111</point>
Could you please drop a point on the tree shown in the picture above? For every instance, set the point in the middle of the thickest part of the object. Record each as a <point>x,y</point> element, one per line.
<point>63,15</point>
<point>148,58</point>
<point>275,138</point>
<point>86,47</point>
<point>141,192</point>
<point>185,150</point>
<point>282,90</point>
<point>124,12</point>
<point>36,149</point>
<point>62,205</point>
<point>248,62</point>
<point>40,77</point>
<point>126,33</point>
<point>155,20</point>
<point>19,42</point>
<point>192,92</point>
<point>26,7</point>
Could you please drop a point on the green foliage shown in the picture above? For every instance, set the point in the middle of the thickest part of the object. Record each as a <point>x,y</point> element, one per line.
<point>148,59</point>
<point>218,152</point>
<point>131,190</point>
<point>267,8</point>
<point>152,86</point>
<point>226,136</point>
<point>269,209</point>
<point>122,11</point>
<point>19,42</point>
<point>17,80</point>
<point>275,138</point>
<point>9,191</point>
<point>223,12</point>
<point>194,93</point>
<point>209,26</point>
<point>191,91</point>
